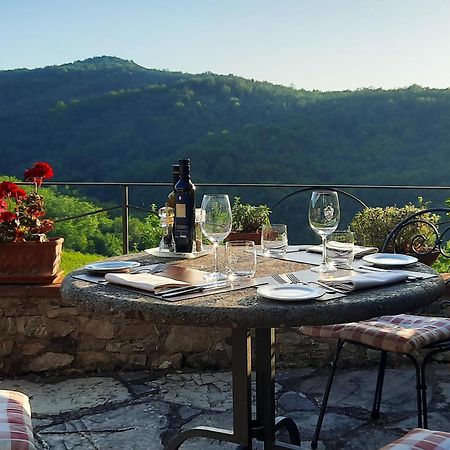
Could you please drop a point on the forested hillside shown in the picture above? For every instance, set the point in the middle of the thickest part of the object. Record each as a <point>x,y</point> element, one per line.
<point>109,119</point>
<point>106,119</point>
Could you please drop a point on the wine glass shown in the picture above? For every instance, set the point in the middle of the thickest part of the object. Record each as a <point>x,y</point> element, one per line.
<point>216,225</point>
<point>324,214</point>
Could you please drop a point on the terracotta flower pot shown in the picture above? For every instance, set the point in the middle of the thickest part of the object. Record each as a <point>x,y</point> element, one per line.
<point>30,262</point>
<point>244,236</point>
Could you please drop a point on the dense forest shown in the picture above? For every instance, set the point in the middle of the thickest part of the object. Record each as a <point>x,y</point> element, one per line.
<point>106,119</point>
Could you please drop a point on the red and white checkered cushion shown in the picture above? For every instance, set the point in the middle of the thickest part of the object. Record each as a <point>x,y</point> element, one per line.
<point>323,331</point>
<point>402,333</point>
<point>420,439</point>
<point>16,431</point>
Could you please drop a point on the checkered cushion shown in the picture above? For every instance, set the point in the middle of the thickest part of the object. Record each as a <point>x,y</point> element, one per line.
<point>16,431</point>
<point>323,331</point>
<point>402,333</point>
<point>420,439</point>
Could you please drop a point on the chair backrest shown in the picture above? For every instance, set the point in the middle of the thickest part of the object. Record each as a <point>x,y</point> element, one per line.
<point>423,233</point>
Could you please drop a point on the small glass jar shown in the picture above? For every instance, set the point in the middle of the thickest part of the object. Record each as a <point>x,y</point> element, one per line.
<point>166,214</point>
<point>199,218</point>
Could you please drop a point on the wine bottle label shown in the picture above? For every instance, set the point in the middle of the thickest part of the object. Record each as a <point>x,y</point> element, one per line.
<point>180,210</point>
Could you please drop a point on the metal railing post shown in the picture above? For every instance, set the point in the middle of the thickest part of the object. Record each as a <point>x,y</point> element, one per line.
<point>125,219</point>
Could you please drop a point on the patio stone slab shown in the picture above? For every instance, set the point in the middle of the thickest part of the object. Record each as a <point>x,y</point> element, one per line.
<point>143,410</point>
<point>69,395</point>
<point>136,427</point>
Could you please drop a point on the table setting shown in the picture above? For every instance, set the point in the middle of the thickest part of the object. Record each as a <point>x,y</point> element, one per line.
<point>338,266</point>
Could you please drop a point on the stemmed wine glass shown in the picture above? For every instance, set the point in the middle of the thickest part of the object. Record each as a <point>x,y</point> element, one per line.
<point>216,225</point>
<point>324,215</point>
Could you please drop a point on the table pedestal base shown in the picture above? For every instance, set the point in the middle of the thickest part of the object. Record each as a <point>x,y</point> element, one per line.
<point>244,427</point>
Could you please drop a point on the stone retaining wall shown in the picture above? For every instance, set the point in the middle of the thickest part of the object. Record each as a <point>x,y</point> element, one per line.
<point>42,333</point>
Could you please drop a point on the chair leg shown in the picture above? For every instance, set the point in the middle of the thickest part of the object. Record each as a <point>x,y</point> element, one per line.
<point>326,394</point>
<point>418,389</point>
<point>424,392</point>
<point>379,388</point>
<point>425,361</point>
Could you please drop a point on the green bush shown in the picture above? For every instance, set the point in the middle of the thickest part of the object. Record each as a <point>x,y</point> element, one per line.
<point>373,225</point>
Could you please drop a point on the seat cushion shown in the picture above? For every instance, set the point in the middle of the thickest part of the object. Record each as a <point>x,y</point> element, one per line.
<point>420,439</point>
<point>323,331</point>
<point>16,431</point>
<point>402,333</point>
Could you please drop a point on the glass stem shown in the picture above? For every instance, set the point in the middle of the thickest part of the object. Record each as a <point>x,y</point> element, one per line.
<point>216,268</point>
<point>324,251</point>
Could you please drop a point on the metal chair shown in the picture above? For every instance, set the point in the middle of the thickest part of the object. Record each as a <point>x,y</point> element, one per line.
<point>387,334</point>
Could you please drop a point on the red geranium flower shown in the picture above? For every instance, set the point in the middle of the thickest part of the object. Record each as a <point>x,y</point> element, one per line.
<point>38,172</point>
<point>21,214</point>
<point>8,189</point>
<point>7,216</point>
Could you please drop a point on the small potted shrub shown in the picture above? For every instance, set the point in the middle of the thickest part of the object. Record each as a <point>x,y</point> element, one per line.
<point>373,225</point>
<point>247,221</point>
<point>26,254</point>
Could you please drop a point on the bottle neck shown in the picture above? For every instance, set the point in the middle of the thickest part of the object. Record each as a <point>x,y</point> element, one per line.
<point>175,177</point>
<point>185,173</point>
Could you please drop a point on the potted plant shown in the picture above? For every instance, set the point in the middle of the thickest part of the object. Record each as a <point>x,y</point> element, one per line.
<point>247,221</point>
<point>26,254</point>
<point>372,226</point>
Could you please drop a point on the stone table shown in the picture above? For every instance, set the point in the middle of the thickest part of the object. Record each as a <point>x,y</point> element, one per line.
<point>245,313</point>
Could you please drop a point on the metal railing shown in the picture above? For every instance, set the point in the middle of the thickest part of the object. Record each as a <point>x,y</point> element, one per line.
<point>125,205</point>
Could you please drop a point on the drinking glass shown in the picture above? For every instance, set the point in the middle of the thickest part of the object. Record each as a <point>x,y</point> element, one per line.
<point>240,259</point>
<point>274,239</point>
<point>340,249</point>
<point>324,215</point>
<point>216,225</point>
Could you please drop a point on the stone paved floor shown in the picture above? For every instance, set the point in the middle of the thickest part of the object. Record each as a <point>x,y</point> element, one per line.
<point>142,410</point>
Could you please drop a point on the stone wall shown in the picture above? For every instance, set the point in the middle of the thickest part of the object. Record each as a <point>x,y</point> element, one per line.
<point>41,333</point>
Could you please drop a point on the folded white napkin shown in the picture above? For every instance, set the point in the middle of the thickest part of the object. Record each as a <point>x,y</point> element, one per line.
<point>365,281</point>
<point>144,281</point>
<point>359,251</point>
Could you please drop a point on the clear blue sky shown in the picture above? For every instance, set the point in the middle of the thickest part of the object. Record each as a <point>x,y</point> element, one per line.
<point>316,44</point>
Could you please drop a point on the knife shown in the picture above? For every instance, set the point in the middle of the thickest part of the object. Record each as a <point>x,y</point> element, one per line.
<point>194,289</point>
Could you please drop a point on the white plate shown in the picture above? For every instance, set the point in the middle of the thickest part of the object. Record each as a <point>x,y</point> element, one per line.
<point>111,266</point>
<point>390,259</point>
<point>290,292</point>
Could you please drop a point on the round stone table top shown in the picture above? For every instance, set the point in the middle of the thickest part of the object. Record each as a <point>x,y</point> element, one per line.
<point>244,308</point>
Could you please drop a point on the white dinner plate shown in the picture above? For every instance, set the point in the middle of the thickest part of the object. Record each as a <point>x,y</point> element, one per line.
<point>111,266</point>
<point>290,292</point>
<point>390,259</point>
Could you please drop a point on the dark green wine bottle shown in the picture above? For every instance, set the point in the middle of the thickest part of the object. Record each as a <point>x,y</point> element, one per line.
<point>184,224</point>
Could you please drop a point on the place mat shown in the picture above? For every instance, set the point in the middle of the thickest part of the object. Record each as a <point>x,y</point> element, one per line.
<point>358,250</point>
<point>159,254</point>
<point>308,276</point>
<point>298,254</point>
<point>304,276</point>
<point>191,276</point>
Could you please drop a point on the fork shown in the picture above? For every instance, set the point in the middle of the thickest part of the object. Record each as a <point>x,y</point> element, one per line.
<point>293,279</point>
<point>278,279</point>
